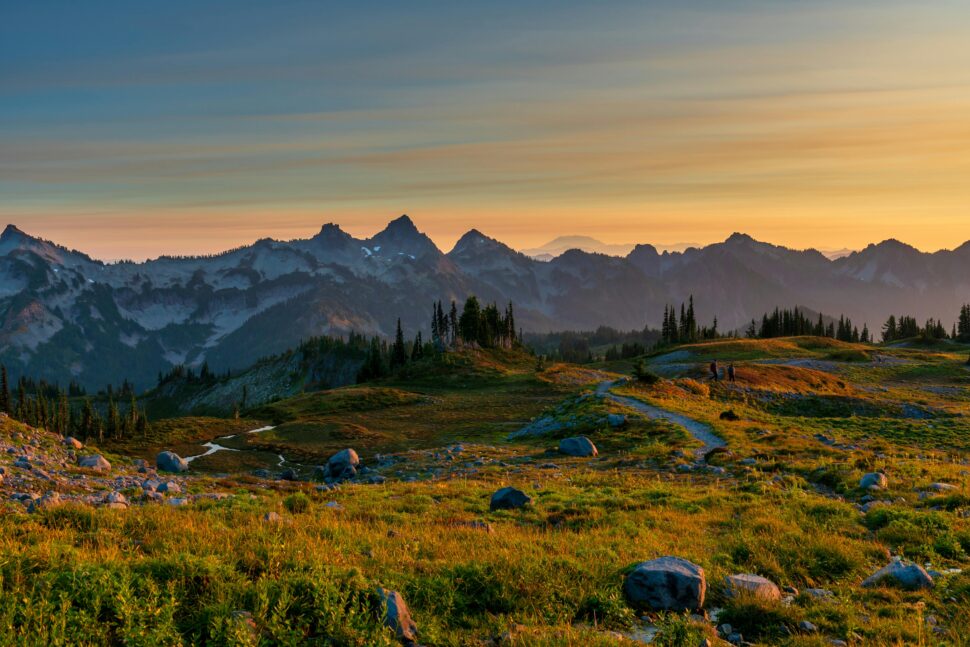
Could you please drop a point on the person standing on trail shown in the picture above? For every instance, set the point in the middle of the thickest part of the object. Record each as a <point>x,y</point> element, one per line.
<point>714,370</point>
<point>730,372</point>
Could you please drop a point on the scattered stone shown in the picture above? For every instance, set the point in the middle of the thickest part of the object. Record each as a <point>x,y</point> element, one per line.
<point>477,525</point>
<point>666,584</point>
<point>819,593</point>
<point>95,462</point>
<point>272,517</point>
<point>171,462</point>
<point>49,500</point>
<point>509,498</point>
<point>874,481</point>
<point>577,446</point>
<point>616,420</point>
<point>169,487</point>
<point>73,443</point>
<point>397,617</point>
<point>907,576</point>
<point>807,627</point>
<point>115,500</point>
<point>754,585</point>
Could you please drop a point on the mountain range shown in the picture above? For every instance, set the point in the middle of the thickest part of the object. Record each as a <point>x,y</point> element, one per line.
<point>65,315</point>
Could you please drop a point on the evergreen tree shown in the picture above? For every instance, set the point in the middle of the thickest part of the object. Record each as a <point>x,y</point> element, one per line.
<point>470,321</point>
<point>399,353</point>
<point>453,323</point>
<point>417,349</point>
<point>4,391</point>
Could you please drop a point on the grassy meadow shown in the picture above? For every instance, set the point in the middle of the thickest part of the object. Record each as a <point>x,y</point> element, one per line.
<point>783,502</point>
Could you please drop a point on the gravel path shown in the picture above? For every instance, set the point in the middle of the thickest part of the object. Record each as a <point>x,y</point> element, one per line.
<point>698,430</point>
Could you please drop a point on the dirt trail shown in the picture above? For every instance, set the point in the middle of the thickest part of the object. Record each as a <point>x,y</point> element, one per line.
<point>698,430</point>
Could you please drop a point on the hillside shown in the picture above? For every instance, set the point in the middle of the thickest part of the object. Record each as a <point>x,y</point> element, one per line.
<point>63,313</point>
<point>251,548</point>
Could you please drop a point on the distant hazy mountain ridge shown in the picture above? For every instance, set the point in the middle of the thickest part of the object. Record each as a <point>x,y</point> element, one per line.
<point>65,314</point>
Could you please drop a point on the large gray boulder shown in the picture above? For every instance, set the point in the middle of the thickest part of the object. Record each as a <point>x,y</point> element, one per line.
<point>509,498</point>
<point>171,462</point>
<point>753,585</point>
<point>95,462</point>
<point>874,481</point>
<point>397,616</point>
<point>904,575</point>
<point>341,466</point>
<point>577,446</point>
<point>666,584</point>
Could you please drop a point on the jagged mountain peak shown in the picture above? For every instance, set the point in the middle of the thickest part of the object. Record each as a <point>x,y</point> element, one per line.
<point>401,237</point>
<point>474,241</point>
<point>11,231</point>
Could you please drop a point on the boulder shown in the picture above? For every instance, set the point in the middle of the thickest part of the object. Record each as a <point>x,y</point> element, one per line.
<point>289,474</point>
<point>729,415</point>
<point>509,498</point>
<point>754,585</point>
<point>397,617</point>
<point>942,487</point>
<point>874,481</point>
<point>666,584</point>
<point>340,467</point>
<point>73,443</point>
<point>95,462</point>
<point>577,446</point>
<point>171,462</point>
<point>905,575</point>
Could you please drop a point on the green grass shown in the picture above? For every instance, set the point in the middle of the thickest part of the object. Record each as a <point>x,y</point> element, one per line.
<point>550,574</point>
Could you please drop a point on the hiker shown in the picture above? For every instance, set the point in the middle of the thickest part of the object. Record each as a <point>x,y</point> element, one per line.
<point>714,370</point>
<point>730,372</point>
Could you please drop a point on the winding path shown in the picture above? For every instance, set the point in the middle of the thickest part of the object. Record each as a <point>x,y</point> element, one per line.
<point>698,430</point>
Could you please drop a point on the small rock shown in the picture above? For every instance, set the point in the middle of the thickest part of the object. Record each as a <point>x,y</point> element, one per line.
<point>73,443</point>
<point>272,517</point>
<point>755,585</point>
<point>616,420</point>
<point>819,593</point>
<point>942,487</point>
<point>171,462</point>
<point>397,617</point>
<point>807,627</point>
<point>115,500</point>
<point>907,576</point>
<point>577,446</point>
<point>874,481</point>
<point>169,487</point>
<point>509,498</point>
<point>289,474</point>
<point>95,462</point>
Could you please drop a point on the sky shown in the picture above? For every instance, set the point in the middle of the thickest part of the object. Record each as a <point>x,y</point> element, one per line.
<point>129,129</point>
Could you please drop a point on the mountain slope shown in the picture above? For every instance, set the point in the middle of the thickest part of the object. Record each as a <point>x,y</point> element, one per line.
<point>64,314</point>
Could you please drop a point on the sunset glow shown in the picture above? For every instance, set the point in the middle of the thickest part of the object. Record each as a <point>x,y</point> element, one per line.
<point>132,134</point>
